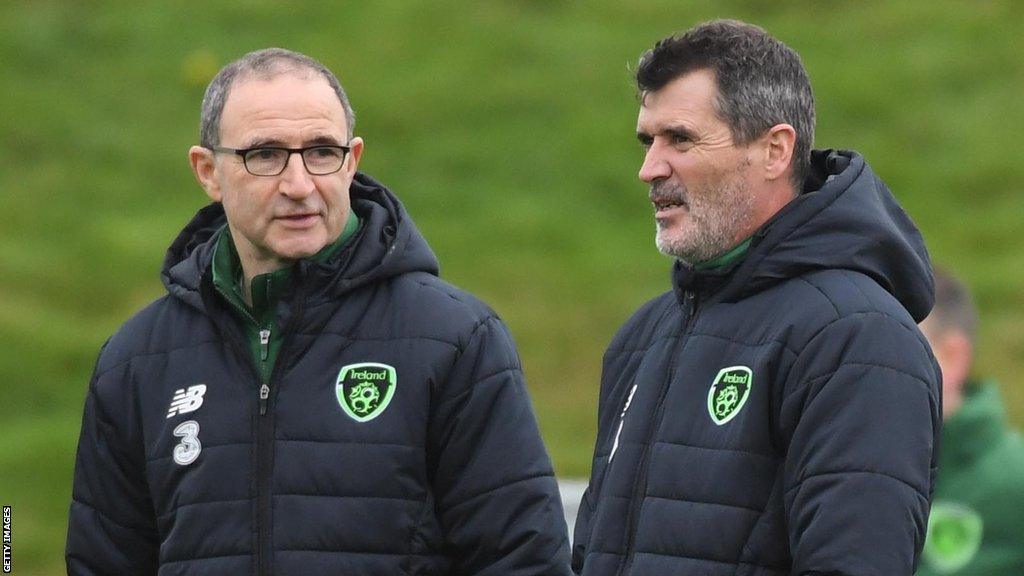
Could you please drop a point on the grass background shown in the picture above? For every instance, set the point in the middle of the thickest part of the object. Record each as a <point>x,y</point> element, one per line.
<point>506,128</point>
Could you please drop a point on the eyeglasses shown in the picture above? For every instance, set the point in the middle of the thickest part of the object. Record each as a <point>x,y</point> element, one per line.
<point>272,160</point>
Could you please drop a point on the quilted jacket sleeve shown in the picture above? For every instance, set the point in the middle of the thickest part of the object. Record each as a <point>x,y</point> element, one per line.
<point>111,526</point>
<point>862,416</point>
<point>496,494</point>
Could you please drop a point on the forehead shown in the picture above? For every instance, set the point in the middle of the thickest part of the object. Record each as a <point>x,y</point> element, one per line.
<point>688,100</point>
<point>288,108</point>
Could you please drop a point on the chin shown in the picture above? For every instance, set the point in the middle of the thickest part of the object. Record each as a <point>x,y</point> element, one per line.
<point>298,250</point>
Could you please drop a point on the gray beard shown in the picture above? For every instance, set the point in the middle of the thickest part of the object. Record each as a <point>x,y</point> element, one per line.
<point>716,218</point>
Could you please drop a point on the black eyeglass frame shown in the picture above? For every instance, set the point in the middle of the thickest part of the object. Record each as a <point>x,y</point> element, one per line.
<point>242,152</point>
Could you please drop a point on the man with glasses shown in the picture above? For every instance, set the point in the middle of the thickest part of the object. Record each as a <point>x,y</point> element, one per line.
<point>309,397</point>
<point>777,411</point>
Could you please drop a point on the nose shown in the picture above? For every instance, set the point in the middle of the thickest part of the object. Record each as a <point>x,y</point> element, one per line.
<point>296,181</point>
<point>655,166</point>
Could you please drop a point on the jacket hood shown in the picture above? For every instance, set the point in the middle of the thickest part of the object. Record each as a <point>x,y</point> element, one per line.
<point>387,244</point>
<point>846,218</point>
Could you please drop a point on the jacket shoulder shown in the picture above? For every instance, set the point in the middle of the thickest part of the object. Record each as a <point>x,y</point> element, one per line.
<point>645,325</point>
<point>157,328</point>
<point>827,298</point>
<point>841,317</point>
<point>434,307</point>
<point>850,292</point>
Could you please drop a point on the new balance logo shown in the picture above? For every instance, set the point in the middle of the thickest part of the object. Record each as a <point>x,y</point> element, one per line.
<point>186,401</point>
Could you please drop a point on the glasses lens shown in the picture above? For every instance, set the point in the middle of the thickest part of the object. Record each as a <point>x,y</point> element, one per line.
<point>266,161</point>
<point>324,159</point>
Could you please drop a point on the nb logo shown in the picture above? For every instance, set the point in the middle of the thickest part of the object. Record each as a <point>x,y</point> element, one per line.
<point>185,401</point>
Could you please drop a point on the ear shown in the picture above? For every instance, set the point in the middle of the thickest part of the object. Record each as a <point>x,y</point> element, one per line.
<point>355,152</point>
<point>779,143</point>
<point>203,167</point>
<point>957,354</point>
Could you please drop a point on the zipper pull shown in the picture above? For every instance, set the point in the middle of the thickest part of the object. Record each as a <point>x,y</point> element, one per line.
<point>264,343</point>
<point>264,394</point>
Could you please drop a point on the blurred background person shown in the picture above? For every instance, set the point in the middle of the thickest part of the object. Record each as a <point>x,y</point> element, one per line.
<point>975,525</point>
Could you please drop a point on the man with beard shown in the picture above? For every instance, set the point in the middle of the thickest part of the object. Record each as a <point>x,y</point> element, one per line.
<point>309,397</point>
<point>777,412</point>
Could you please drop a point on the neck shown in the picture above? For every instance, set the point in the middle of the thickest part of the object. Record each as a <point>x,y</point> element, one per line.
<point>254,265</point>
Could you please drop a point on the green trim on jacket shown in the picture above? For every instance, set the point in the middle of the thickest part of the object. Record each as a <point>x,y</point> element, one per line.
<point>728,257</point>
<point>259,321</point>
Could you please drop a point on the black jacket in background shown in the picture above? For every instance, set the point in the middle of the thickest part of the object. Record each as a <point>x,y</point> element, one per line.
<point>829,466</point>
<point>451,478</point>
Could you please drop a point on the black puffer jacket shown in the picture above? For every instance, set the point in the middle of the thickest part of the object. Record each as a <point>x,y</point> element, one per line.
<point>451,478</point>
<point>821,458</point>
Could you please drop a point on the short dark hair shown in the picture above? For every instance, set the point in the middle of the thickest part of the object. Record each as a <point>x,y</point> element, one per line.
<point>264,64</point>
<point>954,308</point>
<point>761,81</point>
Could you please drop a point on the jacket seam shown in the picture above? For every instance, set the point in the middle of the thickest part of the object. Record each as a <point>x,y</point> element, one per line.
<point>356,337</point>
<point>823,294</point>
<point>137,355</point>
<point>366,552</point>
<point>707,503</point>
<point>190,504</point>
<point>852,315</point>
<point>141,530</point>
<point>202,558</point>
<point>205,447</point>
<point>468,305</point>
<point>800,483</point>
<point>472,497</point>
<point>784,345</point>
<point>348,496</point>
<point>352,442</point>
<point>924,383</point>
<point>771,457</point>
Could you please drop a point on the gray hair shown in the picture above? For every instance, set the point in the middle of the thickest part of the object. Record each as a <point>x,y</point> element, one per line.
<point>761,81</point>
<point>263,64</point>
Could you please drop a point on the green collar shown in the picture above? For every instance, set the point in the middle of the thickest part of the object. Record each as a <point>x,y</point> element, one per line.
<point>730,257</point>
<point>266,288</point>
<point>976,426</point>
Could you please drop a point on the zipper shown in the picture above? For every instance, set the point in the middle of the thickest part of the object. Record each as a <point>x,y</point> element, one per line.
<point>640,484</point>
<point>264,353</point>
<point>265,437</point>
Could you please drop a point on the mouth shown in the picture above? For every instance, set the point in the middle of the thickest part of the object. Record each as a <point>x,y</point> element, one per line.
<point>666,199</point>
<point>663,206</point>
<point>301,220</point>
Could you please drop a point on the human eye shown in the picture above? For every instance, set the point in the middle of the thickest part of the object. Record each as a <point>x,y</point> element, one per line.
<point>325,152</point>
<point>645,140</point>
<point>679,137</point>
<point>263,154</point>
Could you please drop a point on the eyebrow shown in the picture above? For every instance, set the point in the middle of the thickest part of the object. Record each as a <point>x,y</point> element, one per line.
<point>675,131</point>
<point>276,143</point>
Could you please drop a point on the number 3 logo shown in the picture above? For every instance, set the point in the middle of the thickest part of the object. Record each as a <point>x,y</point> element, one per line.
<point>187,452</point>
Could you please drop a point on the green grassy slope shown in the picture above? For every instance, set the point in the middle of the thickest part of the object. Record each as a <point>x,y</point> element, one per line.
<point>506,128</point>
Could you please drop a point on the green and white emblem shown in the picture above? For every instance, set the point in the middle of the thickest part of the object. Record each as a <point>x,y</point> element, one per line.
<point>954,536</point>
<point>364,390</point>
<point>729,392</point>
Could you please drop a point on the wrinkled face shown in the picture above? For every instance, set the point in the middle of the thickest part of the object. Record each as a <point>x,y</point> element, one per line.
<point>700,187</point>
<point>277,219</point>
